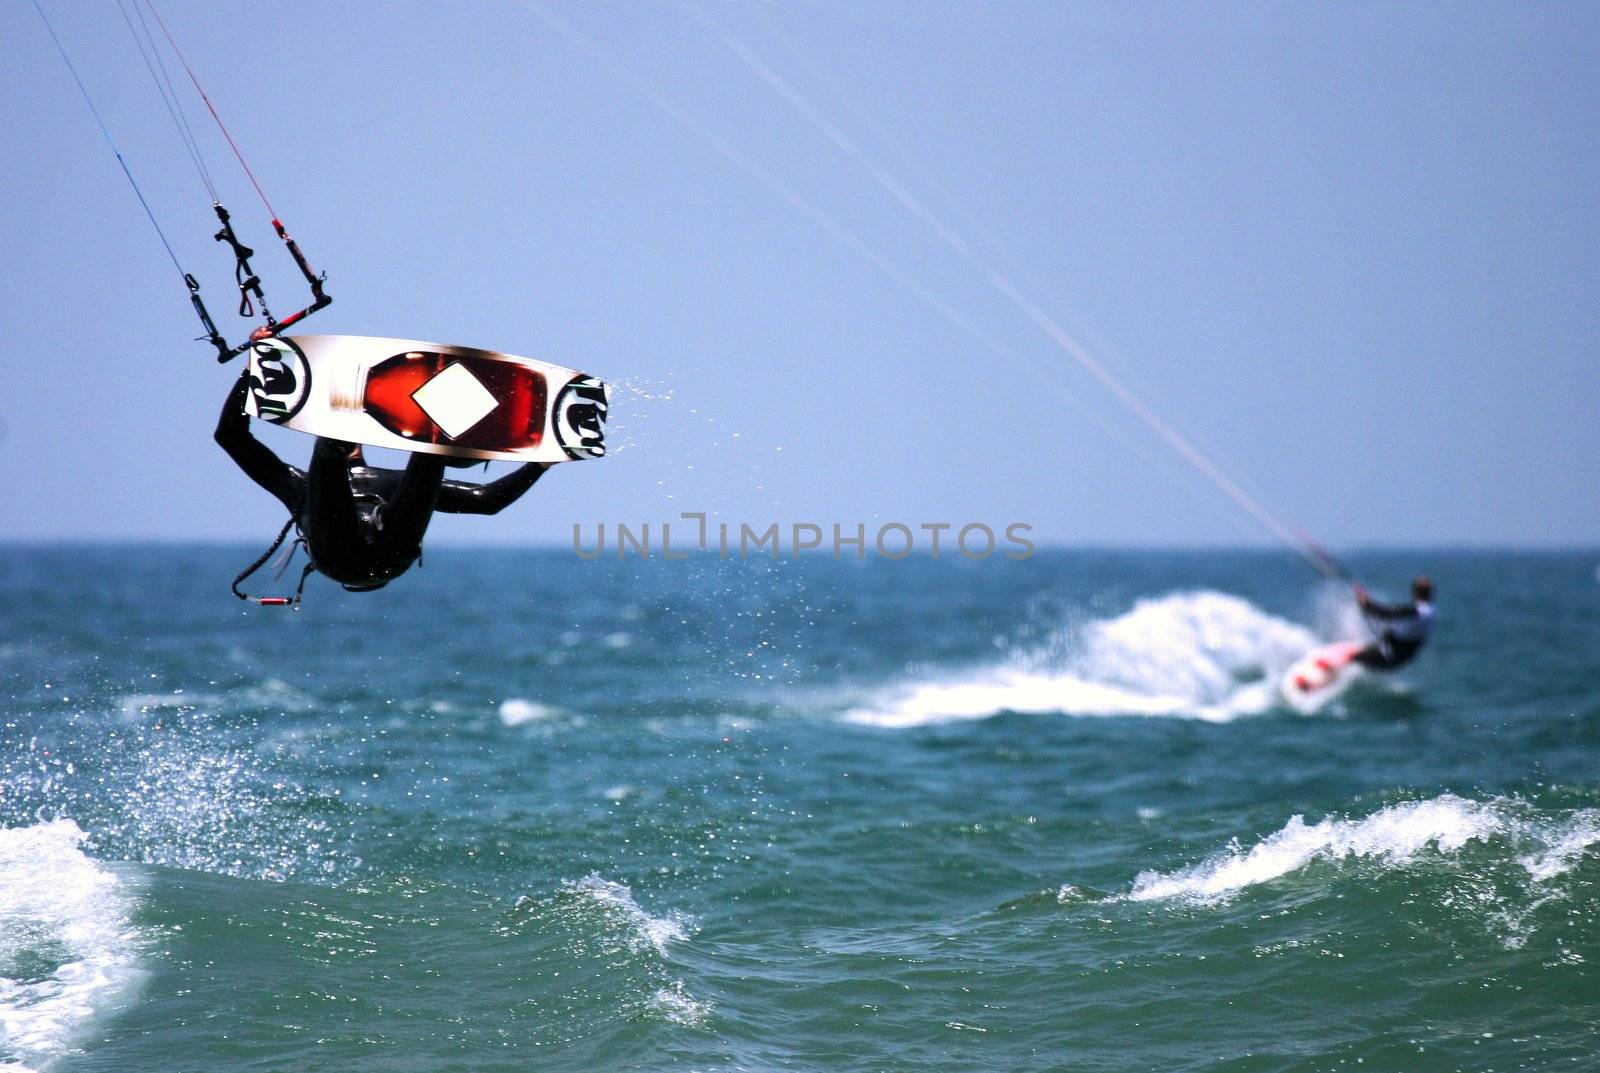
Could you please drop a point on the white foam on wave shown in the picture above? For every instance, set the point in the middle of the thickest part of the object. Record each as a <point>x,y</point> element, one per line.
<point>516,712</point>
<point>1393,836</point>
<point>1397,833</point>
<point>678,1006</point>
<point>68,948</point>
<point>1566,848</point>
<point>644,931</point>
<point>1200,655</point>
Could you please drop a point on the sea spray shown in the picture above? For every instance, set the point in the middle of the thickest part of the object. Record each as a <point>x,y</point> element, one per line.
<point>1197,655</point>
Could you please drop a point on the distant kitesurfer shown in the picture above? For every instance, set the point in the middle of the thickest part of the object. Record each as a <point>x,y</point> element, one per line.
<point>362,526</point>
<point>1399,630</point>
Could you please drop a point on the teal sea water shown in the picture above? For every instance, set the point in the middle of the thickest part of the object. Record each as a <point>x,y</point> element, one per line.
<point>524,812</point>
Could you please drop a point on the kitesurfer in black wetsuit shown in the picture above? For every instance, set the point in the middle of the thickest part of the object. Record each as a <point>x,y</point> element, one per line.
<point>362,526</point>
<point>1399,630</point>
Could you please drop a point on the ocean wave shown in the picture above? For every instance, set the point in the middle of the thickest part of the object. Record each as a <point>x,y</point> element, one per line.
<point>68,947</point>
<point>615,900</point>
<point>644,933</point>
<point>1392,837</point>
<point>595,924</point>
<point>1199,655</point>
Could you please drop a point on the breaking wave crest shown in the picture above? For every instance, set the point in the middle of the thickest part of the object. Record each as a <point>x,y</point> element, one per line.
<point>1393,837</point>
<point>1202,655</point>
<point>616,903</point>
<point>599,918</point>
<point>68,947</point>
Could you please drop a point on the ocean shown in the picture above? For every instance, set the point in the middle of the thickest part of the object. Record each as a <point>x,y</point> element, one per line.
<point>520,811</point>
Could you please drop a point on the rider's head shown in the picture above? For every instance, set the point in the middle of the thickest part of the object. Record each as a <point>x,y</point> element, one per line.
<point>1422,587</point>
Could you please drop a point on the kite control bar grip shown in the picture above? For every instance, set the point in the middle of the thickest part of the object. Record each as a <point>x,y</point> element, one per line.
<point>273,601</point>
<point>225,354</point>
<point>212,336</point>
<point>320,299</point>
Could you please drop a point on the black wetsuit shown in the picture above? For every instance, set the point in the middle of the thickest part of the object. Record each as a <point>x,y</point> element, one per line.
<point>363,526</point>
<point>1401,631</point>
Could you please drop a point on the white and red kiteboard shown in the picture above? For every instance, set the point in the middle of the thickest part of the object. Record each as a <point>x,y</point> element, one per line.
<point>427,397</point>
<point>1320,675</point>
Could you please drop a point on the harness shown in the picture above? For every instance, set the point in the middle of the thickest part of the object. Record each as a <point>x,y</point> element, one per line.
<point>291,602</point>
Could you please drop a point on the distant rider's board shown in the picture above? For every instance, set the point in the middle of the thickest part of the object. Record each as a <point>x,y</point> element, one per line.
<point>427,397</point>
<point>1320,675</point>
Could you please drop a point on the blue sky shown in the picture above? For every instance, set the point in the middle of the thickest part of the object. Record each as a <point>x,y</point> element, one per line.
<point>1350,250</point>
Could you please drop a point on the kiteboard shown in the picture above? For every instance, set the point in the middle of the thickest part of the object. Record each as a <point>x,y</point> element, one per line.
<point>1320,675</point>
<point>431,398</point>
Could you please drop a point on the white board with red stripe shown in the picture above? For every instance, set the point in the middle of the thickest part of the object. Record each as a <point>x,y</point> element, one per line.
<point>1320,675</point>
<point>434,398</point>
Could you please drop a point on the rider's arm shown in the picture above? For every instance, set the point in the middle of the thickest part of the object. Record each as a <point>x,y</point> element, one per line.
<point>460,497</point>
<point>251,455</point>
<point>1387,612</point>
